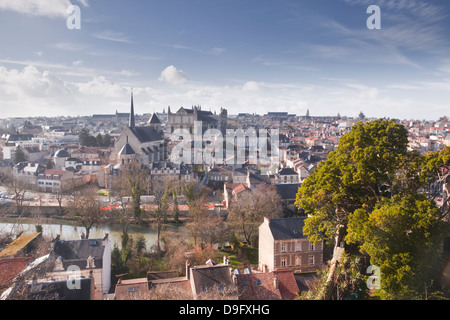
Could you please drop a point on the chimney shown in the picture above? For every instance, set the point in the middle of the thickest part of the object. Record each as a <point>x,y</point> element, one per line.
<point>188,265</point>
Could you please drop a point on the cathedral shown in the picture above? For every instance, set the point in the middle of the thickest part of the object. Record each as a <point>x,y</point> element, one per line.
<point>186,118</point>
<point>143,144</point>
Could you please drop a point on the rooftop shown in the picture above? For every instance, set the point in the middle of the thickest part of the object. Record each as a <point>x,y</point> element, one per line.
<point>17,245</point>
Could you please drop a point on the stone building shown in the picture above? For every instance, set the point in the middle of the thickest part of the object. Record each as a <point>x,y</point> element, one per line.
<point>186,118</point>
<point>144,144</point>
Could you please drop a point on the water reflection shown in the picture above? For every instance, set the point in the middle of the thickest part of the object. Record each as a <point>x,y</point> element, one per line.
<point>71,232</point>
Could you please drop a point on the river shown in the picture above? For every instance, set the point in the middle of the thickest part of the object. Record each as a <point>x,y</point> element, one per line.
<point>51,229</point>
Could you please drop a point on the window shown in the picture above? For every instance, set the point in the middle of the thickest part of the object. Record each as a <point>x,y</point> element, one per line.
<point>298,246</point>
<point>311,246</point>
<point>220,287</point>
<point>311,259</point>
<point>203,288</point>
<point>283,262</point>
<point>132,289</point>
<point>283,247</point>
<point>298,260</point>
<point>258,282</point>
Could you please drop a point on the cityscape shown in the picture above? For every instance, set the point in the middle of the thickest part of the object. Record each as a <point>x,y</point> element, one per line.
<point>166,161</point>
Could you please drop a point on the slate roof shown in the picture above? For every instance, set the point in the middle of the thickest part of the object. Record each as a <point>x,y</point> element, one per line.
<point>287,171</point>
<point>210,277</point>
<point>287,191</point>
<point>62,153</point>
<point>58,290</point>
<point>76,252</point>
<point>287,228</point>
<point>126,150</point>
<point>154,119</point>
<point>146,134</point>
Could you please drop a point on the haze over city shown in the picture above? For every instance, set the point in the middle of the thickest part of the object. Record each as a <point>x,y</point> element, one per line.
<point>251,56</point>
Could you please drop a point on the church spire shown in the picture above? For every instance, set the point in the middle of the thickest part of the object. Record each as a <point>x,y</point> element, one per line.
<point>131,123</point>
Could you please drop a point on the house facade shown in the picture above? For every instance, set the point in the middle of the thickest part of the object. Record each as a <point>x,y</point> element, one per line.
<point>55,180</point>
<point>283,246</point>
<point>84,258</point>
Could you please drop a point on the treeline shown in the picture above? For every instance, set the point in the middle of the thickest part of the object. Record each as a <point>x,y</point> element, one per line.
<point>88,140</point>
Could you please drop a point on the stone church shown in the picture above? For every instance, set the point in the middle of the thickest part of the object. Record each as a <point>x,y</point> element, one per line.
<point>185,119</point>
<point>143,144</point>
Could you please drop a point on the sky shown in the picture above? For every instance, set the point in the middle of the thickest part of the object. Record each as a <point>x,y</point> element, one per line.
<point>252,56</point>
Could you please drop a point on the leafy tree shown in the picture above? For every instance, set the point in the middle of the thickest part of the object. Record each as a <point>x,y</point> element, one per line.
<point>359,172</point>
<point>361,116</point>
<point>19,155</point>
<point>402,236</point>
<point>370,193</point>
<point>49,164</point>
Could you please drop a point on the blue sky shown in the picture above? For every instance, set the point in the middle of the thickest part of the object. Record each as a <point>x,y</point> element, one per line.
<point>246,56</point>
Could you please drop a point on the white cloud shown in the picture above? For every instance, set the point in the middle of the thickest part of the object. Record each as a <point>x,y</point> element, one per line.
<point>251,86</point>
<point>48,8</point>
<point>77,63</point>
<point>70,46</point>
<point>112,36</point>
<point>33,91</point>
<point>85,3</point>
<point>173,76</point>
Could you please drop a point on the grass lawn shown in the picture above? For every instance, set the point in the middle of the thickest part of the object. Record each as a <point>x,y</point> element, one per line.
<point>241,258</point>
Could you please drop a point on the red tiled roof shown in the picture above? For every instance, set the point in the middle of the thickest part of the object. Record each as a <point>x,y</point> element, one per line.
<point>11,267</point>
<point>257,286</point>
<point>287,284</point>
<point>275,285</point>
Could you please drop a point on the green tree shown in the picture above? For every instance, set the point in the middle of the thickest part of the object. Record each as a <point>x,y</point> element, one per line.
<point>133,181</point>
<point>402,236</point>
<point>358,173</point>
<point>19,155</point>
<point>99,140</point>
<point>370,182</point>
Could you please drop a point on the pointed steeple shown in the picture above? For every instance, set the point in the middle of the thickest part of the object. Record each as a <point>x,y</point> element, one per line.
<point>131,123</point>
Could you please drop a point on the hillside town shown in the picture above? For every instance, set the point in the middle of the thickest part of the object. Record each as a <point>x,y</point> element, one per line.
<point>45,162</point>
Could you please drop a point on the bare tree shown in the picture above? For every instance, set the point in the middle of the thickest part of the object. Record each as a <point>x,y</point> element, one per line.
<point>163,194</point>
<point>87,209</point>
<point>18,186</point>
<point>248,209</point>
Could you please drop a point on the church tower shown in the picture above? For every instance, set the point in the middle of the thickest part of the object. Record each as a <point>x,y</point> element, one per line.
<point>131,122</point>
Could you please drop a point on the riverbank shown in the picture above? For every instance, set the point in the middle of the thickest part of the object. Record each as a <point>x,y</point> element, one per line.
<point>70,229</point>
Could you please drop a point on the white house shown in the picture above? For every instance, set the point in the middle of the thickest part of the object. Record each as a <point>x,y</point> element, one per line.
<point>84,258</point>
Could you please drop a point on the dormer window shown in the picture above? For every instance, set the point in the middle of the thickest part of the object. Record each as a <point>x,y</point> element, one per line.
<point>90,262</point>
